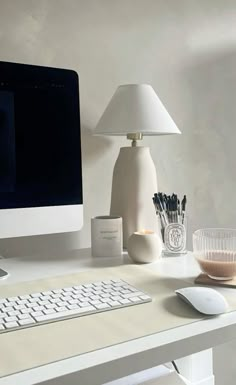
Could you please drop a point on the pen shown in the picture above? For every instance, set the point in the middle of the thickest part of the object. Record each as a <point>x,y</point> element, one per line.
<point>183,208</point>
<point>169,209</point>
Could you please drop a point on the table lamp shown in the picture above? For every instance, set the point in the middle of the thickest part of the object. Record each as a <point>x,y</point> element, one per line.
<point>135,110</point>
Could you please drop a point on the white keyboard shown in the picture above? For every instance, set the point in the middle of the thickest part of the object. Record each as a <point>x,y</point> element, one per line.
<point>49,306</point>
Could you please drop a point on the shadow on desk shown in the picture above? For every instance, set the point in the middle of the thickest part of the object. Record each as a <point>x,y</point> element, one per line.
<point>177,307</point>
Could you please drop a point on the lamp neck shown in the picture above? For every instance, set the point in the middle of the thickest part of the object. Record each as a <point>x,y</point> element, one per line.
<point>135,137</point>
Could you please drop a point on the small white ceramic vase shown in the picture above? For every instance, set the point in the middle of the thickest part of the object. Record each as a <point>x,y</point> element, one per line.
<point>145,246</point>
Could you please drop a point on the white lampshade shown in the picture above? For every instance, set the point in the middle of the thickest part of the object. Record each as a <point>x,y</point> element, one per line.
<point>135,108</point>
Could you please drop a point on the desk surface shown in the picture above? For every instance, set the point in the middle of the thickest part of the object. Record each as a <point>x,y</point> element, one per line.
<point>105,364</point>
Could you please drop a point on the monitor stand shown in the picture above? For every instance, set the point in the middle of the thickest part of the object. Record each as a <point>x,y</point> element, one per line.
<point>3,274</point>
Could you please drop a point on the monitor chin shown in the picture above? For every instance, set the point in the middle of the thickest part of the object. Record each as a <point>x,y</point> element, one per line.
<point>40,220</point>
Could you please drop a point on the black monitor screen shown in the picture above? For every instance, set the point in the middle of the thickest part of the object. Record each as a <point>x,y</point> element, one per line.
<point>40,149</point>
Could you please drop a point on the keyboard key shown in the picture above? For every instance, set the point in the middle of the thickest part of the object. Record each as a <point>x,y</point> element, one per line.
<point>72,301</point>
<point>36,313</point>
<point>117,298</point>
<point>43,303</point>
<point>84,304</point>
<point>61,303</point>
<point>32,300</point>
<point>22,301</point>
<point>94,297</point>
<point>20,307</point>
<point>67,313</point>
<point>14,312</point>
<point>144,297</point>
<point>97,292</point>
<point>78,287</point>
<point>28,321</point>
<point>77,296</point>
<point>2,327</point>
<point>130,295</point>
<point>11,319</point>
<point>49,311</point>
<point>73,306</point>
<point>12,299</point>
<point>135,299</point>
<point>36,295</point>
<point>27,296</point>
<point>67,298</point>
<point>26,311</point>
<point>125,291</point>
<point>56,295</point>
<point>54,300</point>
<point>8,308</point>
<point>105,295</point>
<point>45,297</point>
<point>46,293</point>
<point>61,308</point>
<point>23,316</point>
<point>68,289</point>
<point>11,303</point>
<point>10,325</point>
<point>88,294</point>
<point>113,303</point>
<point>104,300</point>
<point>117,284</point>
<point>95,302</point>
<point>38,308</point>
<point>102,306</point>
<point>84,299</point>
<point>57,291</point>
<point>125,301</point>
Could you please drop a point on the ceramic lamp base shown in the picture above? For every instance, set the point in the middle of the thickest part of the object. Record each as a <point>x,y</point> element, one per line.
<point>134,183</point>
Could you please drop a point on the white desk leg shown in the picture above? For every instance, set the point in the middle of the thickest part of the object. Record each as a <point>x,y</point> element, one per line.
<point>197,369</point>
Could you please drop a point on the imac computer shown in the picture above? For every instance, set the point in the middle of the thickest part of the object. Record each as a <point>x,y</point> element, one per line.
<point>40,151</point>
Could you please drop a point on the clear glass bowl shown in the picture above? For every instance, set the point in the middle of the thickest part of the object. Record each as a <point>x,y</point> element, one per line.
<point>215,251</point>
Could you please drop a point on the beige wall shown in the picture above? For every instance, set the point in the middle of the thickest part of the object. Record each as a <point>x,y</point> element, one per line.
<point>185,48</point>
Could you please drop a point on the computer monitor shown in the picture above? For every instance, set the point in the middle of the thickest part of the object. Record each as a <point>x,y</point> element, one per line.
<point>40,151</point>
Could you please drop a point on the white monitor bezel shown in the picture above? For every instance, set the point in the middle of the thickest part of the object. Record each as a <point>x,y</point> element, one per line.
<point>40,220</point>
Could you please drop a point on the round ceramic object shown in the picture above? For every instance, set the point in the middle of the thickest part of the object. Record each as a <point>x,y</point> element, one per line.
<point>144,246</point>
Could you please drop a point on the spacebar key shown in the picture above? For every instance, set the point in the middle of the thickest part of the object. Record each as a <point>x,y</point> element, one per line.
<point>65,314</point>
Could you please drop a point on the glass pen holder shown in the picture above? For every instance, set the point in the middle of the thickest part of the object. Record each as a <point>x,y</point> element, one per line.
<point>174,236</point>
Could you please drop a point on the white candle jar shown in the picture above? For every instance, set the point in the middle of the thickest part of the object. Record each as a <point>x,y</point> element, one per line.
<point>106,236</point>
<point>144,246</point>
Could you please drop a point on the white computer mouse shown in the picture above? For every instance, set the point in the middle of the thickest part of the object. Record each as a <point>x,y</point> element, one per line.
<point>203,299</point>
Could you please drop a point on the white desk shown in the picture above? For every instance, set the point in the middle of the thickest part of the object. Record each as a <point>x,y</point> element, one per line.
<point>194,342</point>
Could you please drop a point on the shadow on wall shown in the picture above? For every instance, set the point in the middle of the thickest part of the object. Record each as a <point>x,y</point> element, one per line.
<point>210,161</point>
<point>93,146</point>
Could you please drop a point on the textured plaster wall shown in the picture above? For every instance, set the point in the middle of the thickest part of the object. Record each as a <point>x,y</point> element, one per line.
<point>185,48</point>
